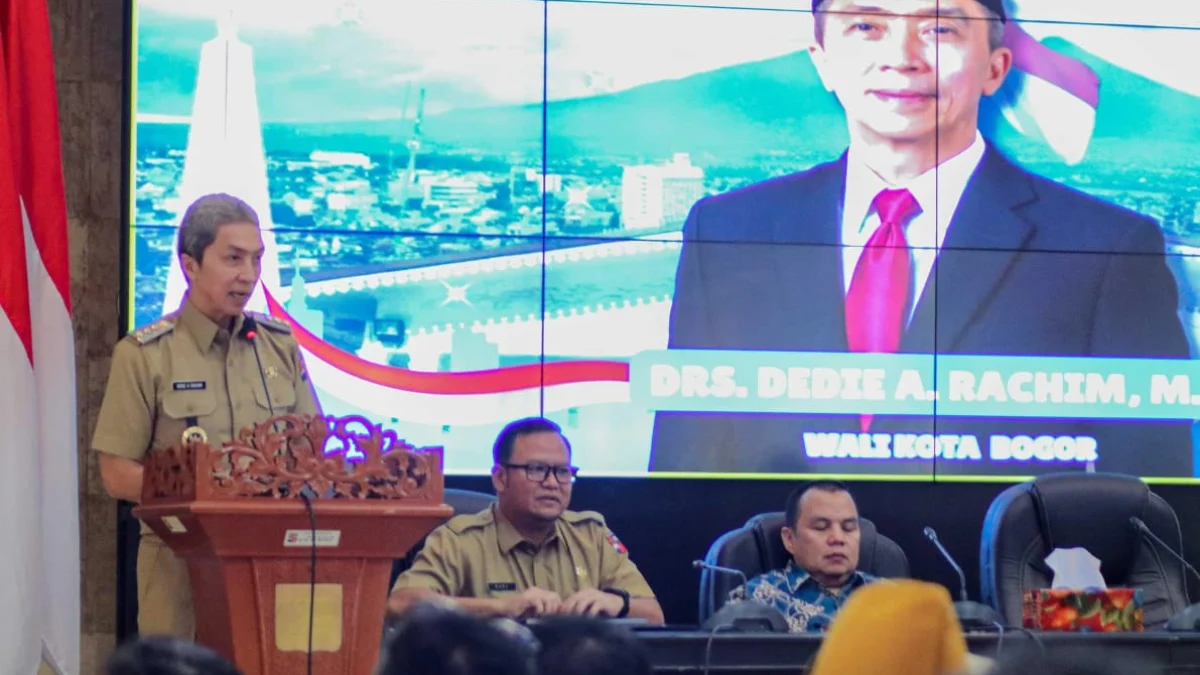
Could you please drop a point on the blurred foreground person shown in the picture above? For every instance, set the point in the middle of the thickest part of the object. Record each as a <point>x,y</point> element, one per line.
<point>901,627</point>
<point>584,646</point>
<point>433,639</point>
<point>161,655</point>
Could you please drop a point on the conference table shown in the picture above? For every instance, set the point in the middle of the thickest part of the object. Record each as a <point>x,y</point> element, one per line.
<point>679,651</point>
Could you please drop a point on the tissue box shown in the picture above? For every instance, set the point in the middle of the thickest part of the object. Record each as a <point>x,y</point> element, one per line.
<point>1097,610</point>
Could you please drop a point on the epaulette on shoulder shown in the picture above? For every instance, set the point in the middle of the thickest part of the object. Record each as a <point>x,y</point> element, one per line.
<point>470,521</point>
<point>268,321</point>
<point>153,331</point>
<point>580,517</point>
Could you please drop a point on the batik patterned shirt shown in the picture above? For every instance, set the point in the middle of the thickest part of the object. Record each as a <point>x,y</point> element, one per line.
<point>808,606</point>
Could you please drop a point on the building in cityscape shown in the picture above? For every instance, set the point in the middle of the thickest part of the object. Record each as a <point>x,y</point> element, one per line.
<point>655,196</point>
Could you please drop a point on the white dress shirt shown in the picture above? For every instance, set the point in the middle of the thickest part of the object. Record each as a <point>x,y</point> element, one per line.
<point>937,191</point>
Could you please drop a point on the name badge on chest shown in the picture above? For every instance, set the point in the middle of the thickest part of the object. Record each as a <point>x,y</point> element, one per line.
<point>191,385</point>
<point>502,587</point>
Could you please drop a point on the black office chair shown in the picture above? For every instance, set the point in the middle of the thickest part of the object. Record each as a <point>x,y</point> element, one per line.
<point>1092,511</point>
<point>463,502</point>
<point>756,548</point>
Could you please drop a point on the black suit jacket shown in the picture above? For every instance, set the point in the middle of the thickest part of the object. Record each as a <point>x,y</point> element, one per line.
<point>1028,267</point>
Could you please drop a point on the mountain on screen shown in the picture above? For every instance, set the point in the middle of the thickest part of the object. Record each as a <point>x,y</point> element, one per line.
<point>774,105</point>
<point>730,113</point>
<point>743,112</point>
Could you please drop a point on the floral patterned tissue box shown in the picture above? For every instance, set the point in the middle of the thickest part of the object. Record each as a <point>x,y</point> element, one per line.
<point>1091,611</point>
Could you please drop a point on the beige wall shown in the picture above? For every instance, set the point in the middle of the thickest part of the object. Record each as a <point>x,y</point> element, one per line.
<point>88,38</point>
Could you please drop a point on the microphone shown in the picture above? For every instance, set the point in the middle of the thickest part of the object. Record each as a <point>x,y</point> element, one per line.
<point>931,535</point>
<point>249,332</point>
<point>1141,527</point>
<point>249,328</point>
<point>742,617</point>
<point>972,616</point>
<point>701,565</point>
<point>1189,618</point>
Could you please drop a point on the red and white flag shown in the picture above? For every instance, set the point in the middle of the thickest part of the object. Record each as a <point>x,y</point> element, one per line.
<point>39,477</point>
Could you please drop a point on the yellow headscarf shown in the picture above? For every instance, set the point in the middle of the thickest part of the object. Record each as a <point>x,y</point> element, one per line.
<point>895,627</point>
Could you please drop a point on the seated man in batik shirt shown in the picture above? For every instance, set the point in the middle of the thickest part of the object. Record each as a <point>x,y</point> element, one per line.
<point>822,535</point>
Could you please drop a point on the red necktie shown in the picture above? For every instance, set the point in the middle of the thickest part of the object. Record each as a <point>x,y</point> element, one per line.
<point>877,304</point>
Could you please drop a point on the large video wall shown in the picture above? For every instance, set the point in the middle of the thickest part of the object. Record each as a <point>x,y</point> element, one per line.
<point>659,224</point>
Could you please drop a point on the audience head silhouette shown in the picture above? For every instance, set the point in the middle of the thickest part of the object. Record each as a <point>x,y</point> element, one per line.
<point>434,640</point>
<point>586,646</point>
<point>167,656</point>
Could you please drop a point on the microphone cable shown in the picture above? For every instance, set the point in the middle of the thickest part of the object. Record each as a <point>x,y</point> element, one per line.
<point>250,332</point>
<point>312,573</point>
<point>712,634</point>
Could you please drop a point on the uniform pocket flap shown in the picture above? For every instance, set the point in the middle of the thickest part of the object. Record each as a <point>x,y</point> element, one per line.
<point>283,396</point>
<point>183,403</point>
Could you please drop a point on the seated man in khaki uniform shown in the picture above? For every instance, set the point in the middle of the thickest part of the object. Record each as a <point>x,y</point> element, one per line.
<point>194,374</point>
<point>528,556</point>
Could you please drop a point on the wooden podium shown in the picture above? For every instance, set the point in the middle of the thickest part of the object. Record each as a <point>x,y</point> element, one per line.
<point>238,516</point>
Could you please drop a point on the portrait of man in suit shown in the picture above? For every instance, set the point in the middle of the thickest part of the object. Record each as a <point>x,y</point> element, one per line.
<point>920,239</point>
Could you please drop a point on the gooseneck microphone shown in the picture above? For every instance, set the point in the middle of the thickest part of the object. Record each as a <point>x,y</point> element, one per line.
<point>1187,620</point>
<point>250,332</point>
<point>932,536</point>
<point>739,617</point>
<point>701,565</point>
<point>972,616</point>
<point>1140,526</point>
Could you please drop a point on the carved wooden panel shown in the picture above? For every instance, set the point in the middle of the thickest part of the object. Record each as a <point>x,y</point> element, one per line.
<point>336,457</point>
<point>278,458</point>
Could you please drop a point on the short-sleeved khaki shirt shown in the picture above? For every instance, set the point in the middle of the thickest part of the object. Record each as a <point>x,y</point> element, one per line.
<point>185,371</point>
<point>483,556</point>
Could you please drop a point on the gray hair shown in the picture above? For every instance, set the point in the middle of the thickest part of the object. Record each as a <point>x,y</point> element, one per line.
<point>198,229</point>
<point>995,26</point>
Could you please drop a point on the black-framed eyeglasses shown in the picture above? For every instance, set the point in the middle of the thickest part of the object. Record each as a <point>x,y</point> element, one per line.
<point>538,472</point>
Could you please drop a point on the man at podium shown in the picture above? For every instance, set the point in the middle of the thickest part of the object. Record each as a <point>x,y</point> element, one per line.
<point>527,555</point>
<point>201,373</point>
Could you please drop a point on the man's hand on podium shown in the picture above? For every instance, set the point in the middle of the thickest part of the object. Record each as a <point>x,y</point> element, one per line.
<point>122,477</point>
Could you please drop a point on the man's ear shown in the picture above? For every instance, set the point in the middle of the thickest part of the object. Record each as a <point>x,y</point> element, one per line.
<point>189,265</point>
<point>1000,63</point>
<point>789,540</point>
<point>498,477</point>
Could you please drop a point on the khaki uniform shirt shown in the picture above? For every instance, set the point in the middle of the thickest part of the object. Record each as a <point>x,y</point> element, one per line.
<point>174,376</point>
<point>483,556</point>
<point>184,371</point>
